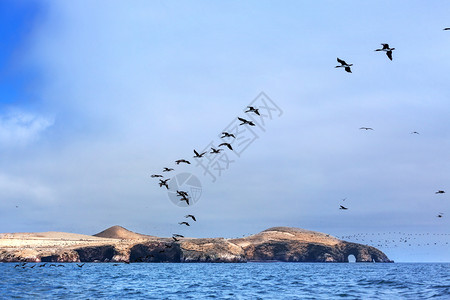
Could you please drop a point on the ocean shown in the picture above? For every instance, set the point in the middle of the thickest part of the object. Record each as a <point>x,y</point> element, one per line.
<point>226,281</point>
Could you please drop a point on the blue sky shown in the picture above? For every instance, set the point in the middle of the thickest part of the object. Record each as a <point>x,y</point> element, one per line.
<point>95,96</point>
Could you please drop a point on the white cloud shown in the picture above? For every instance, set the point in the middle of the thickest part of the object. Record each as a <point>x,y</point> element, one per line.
<point>22,128</point>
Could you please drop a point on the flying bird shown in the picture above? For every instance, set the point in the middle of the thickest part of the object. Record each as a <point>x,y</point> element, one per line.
<point>80,265</point>
<point>414,132</point>
<point>446,28</point>
<point>167,169</point>
<point>178,235</point>
<point>215,151</point>
<point>344,65</point>
<point>440,192</point>
<point>244,121</point>
<point>156,176</point>
<point>164,183</point>
<point>440,215</point>
<point>387,49</point>
<point>342,207</point>
<point>252,109</point>
<point>184,198</point>
<point>182,193</point>
<point>366,128</point>
<point>197,155</point>
<point>175,239</point>
<point>184,223</point>
<point>182,161</point>
<point>191,216</point>
<point>226,144</point>
<point>226,134</point>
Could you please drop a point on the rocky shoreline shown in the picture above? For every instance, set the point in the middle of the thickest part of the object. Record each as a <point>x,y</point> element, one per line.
<point>117,244</point>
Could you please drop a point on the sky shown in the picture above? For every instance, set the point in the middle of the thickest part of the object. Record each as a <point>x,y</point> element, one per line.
<point>95,96</point>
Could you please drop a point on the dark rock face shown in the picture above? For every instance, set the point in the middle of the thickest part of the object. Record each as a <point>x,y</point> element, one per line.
<point>64,256</point>
<point>362,253</point>
<point>303,252</point>
<point>211,250</point>
<point>155,251</point>
<point>100,253</point>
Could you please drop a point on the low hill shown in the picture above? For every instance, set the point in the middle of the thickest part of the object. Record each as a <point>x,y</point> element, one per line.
<point>118,232</point>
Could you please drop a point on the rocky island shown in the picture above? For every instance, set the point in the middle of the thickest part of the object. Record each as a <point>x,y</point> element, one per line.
<point>117,244</point>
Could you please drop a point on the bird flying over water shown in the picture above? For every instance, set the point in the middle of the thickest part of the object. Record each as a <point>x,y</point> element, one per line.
<point>184,223</point>
<point>199,155</point>
<point>226,134</point>
<point>80,265</point>
<point>178,235</point>
<point>342,207</point>
<point>387,49</point>
<point>182,161</point>
<point>440,215</point>
<point>156,176</point>
<point>252,109</point>
<point>344,65</point>
<point>175,239</point>
<point>167,169</point>
<point>244,121</point>
<point>414,132</point>
<point>226,144</point>
<point>190,216</point>
<point>446,28</point>
<point>440,192</point>
<point>366,128</point>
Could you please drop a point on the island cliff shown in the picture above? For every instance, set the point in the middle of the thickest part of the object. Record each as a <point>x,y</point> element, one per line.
<point>117,244</point>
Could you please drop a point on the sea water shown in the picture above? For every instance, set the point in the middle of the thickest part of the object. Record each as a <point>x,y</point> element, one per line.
<point>226,281</point>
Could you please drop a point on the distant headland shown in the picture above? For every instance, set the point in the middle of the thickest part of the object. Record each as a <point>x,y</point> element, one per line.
<point>117,244</point>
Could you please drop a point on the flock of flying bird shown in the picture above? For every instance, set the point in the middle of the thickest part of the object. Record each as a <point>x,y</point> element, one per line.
<point>388,50</point>
<point>396,239</point>
<point>184,195</point>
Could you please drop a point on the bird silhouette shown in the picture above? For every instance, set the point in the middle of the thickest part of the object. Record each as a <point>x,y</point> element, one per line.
<point>440,192</point>
<point>344,65</point>
<point>244,121</point>
<point>190,216</point>
<point>178,235</point>
<point>226,144</point>
<point>199,155</point>
<point>182,193</point>
<point>215,151</point>
<point>342,207</point>
<point>226,134</point>
<point>167,169</point>
<point>440,215</point>
<point>156,176</point>
<point>366,128</point>
<point>414,132</point>
<point>80,265</point>
<point>175,239</point>
<point>164,183</point>
<point>253,110</point>
<point>184,223</point>
<point>182,161</point>
<point>387,49</point>
<point>185,198</point>
<point>446,28</point>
